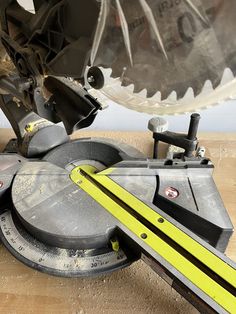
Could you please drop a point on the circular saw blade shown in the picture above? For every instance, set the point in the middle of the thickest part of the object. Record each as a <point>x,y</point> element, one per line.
<point>163,54</point>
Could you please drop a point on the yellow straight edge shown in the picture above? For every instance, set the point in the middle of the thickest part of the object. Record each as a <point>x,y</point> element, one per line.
<point>219,266</point>
<point>220,295</point>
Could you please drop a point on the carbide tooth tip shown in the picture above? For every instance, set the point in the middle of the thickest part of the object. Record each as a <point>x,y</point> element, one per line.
<point>172,96</point>
<point>227,76</point>
<point>189,94</point>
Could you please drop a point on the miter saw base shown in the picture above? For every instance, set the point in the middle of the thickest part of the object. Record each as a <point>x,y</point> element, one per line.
<point>51,225</point>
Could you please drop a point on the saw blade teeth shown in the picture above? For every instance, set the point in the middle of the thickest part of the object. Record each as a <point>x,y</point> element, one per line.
<point>137,88</point>
<point>166,93</point>
<point>172,97</point>
<point>180,92</point>
<point>130,88</point>
<point>207,88</point>
<point>189,95</point>
<point>227,76</point>
<point>197,87</point>
<point>125,83</point>
<point>156,97</point>
<point>142,93</point>
<point>216,83</point>
<point>151,93</point>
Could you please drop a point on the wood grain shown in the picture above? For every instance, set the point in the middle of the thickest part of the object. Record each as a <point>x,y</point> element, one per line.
<point>136,289</point>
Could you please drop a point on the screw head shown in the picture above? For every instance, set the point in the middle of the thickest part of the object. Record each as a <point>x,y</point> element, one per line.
<point>144,236</point>
<point>161,220</point>
<point>171,192</point>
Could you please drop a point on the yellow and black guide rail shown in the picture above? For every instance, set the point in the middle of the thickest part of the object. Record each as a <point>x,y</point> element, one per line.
<point>200,273</point>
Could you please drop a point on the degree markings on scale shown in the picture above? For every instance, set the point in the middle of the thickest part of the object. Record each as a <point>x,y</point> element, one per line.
<point>54,258</point>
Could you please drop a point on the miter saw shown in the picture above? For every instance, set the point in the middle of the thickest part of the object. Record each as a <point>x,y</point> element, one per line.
<point>92,206</point>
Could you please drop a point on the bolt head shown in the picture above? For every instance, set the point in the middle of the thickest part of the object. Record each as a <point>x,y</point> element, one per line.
<point>171,192</point>
<point>144,236</point>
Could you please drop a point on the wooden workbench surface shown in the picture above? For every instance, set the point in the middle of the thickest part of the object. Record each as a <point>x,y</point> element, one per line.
<point>136,289</point>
